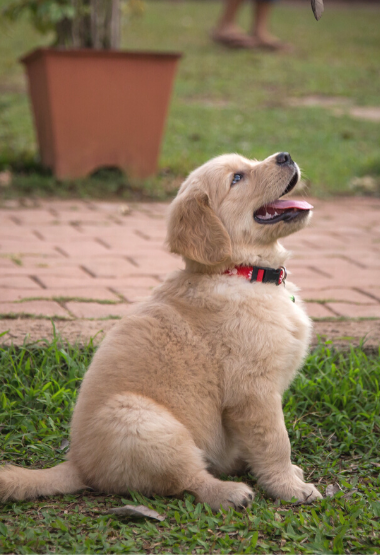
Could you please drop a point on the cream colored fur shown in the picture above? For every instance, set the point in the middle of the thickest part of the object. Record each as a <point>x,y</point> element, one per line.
<point>189,385</point>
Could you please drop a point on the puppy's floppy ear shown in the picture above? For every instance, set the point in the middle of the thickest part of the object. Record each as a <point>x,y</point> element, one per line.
<point>195,231</point>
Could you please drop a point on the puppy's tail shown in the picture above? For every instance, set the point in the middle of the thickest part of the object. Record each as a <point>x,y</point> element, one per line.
<point>18,483</point>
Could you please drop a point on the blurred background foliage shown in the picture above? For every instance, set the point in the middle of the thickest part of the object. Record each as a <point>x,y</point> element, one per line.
<point>320,102</point>
<point>74,23</point>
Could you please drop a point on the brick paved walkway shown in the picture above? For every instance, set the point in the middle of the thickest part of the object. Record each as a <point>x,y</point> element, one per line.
<point>83,263</point>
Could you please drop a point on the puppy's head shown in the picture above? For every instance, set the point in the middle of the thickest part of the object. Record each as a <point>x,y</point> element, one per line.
<point>232,205</point>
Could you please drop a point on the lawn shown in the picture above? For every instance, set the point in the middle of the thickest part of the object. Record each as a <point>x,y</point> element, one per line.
<point>333,417</point>
<point>245,101</point>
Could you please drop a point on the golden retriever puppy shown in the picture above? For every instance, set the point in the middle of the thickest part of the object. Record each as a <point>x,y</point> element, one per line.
<point>189,384</point>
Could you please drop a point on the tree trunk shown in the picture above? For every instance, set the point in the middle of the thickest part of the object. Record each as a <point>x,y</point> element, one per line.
<point>115,24</point>
<point>96,24</point>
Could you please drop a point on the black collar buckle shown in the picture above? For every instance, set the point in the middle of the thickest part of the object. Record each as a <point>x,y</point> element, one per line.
<point>269,275</point>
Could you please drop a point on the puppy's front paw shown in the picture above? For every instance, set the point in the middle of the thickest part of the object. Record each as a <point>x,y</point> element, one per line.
<point>226,495</point>
<point>297,471</point>
<point>308,493</point>
<point>292,487</point>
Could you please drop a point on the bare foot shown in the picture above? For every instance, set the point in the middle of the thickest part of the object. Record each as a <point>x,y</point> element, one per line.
<point>232,37</point>
<point>270,42</point>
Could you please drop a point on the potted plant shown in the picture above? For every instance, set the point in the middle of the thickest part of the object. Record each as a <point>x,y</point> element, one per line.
<point>94,105</point>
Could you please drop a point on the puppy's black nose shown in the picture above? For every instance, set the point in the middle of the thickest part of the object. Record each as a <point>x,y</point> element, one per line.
<point>284,158</point>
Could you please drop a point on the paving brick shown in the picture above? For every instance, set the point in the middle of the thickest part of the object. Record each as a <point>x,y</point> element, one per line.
<point>328,283</point>
<point>8,294</point>
<point>88,248</point>
<point>57,282</point>
<point>372,292</point>
<point>135,294</point>
<point>351,243</point>
<point>337,294</point>
<point>338,268</point>
<point>95,310</point>
<point>120,233</point>
<point>18,282</point>
<point>308,283</point>
<point>46,262</point>
<point>109,267</point>
<point>353,256</point>
<point>302,271</point>
<point>325,265</point>
<point>38,258</point>
<point>45,270</point>
<point>66,283</point>
<point>95,293</point>
<point>67,205</point>
<point>54,233</point>
<point>366,278</point>
<point>135,282</point>
<point>356,311</point>
<point>157,209</point>
<point>137,211</point>
<point>152,231</point>
<point>83,293</point>
<point>131,248</point>
<point>7,264</point>
<point>334,229</point>
<point>27,247</point>
<point>316,310</point>
<point>34,308</point>
<point>61,264</point>
<point>108,207</point>
<point>293,243</point>
<point>319,239</point>
<point>81,217</point>
<point>143,222</point>
<point>18,233</point>
<point>364,258</point>
<point>32,216</point>
<point>158,262</point>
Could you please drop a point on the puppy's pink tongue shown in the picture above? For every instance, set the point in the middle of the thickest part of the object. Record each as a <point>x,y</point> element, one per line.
<point>286,204</point>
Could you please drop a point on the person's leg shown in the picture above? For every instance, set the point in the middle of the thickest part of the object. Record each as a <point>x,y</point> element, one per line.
<point>260,27</point>
<point>227,31</point>
<point>228,17</point>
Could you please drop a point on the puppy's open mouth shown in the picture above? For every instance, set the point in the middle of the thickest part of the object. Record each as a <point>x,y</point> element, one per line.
<point>283,210</point>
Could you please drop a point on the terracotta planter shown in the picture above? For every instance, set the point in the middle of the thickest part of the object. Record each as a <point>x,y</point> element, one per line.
<point>96,108</point>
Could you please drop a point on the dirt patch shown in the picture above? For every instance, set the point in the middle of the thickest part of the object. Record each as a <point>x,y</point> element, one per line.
<point>342,332</point>
<point>207,102</point>
<point>320,100</point>
<point>371,113</point>
<point>339,105</point>
<point>345,333</point>
<point>75,331</point>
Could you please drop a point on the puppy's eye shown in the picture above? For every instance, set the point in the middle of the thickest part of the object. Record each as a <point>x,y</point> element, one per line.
<point>237,178</point>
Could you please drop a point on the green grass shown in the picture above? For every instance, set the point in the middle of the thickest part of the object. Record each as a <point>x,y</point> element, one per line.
<point>227,100</point>
<point>333,417</point>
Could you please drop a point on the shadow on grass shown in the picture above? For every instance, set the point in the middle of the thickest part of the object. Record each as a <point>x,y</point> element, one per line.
<point>29,178</point>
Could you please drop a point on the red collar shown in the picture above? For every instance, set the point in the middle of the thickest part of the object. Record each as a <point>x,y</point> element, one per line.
<point>255,273</point>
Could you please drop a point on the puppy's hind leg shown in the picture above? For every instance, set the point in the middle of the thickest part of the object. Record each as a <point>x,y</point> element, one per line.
<point>145,448</point>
